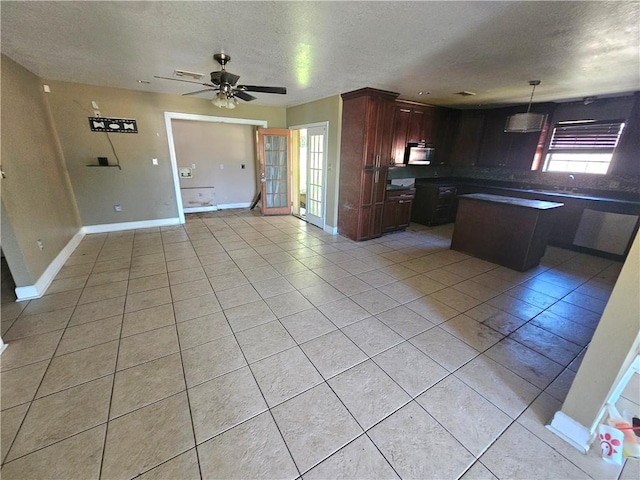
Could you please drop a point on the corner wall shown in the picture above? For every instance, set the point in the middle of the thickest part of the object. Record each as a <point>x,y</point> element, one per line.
<point>37,199</point>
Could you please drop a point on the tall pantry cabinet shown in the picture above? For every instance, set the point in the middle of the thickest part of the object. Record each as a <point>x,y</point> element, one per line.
<point>365,156</point>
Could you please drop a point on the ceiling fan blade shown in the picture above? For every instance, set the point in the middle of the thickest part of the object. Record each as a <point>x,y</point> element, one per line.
<point>229,78</point>
<point>186,81</point>
<point>244,95</point>
<point>201,91</point>
<point>259,89</point>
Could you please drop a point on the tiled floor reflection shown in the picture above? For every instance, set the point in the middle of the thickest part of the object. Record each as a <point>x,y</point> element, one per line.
<point>239,346</point>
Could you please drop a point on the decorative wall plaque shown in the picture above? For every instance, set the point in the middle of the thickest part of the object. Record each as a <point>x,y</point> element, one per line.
<point>113,125</point>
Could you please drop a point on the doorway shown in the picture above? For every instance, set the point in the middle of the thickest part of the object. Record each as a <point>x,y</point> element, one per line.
<point>309,172</point>
<point>231,177</point>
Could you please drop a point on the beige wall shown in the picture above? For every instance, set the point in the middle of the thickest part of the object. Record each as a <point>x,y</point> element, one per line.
<point>328,109</point>
<point>210,146</point>
<point>37,199</point>
<point>612,349</point>
<point>146,192</point>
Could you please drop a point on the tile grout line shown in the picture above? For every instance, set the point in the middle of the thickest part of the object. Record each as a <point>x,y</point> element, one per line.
<point>39,386</point>
<point>115,371</point>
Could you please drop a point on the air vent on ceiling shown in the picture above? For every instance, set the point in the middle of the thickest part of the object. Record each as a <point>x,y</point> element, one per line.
<point>466,93</point>
<point>184,73</point>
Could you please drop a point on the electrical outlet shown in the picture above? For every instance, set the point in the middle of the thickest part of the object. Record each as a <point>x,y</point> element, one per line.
<point>117,208</point>
<point>154,161</point>
<point>40,244</point>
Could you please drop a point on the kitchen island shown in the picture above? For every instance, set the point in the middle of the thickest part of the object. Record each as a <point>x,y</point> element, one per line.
<point>509,231</point>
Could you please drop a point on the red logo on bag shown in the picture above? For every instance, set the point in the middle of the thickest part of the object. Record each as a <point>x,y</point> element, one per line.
<point>607,444</point>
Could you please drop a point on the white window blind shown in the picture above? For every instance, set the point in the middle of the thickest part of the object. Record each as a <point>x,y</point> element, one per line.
<point>581,147</point>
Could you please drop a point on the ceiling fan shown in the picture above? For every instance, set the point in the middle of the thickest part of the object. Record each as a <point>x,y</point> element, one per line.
<point>226,84</point>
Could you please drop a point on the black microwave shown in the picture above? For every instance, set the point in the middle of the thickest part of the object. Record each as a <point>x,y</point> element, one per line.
<point>417,153</point>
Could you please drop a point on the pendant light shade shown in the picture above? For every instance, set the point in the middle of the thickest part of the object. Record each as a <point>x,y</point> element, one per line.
<point>526,122</point>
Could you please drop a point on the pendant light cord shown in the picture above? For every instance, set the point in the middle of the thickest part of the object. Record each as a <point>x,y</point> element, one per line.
<point>533,83</point>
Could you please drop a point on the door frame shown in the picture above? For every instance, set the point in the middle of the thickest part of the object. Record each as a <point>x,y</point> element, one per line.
<point>324,124</point>
<point>168,116</point>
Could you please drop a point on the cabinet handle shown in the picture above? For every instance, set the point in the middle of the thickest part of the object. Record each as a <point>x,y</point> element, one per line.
<point>375,178</point>
<point>377,161</point>
<point>401,201</point>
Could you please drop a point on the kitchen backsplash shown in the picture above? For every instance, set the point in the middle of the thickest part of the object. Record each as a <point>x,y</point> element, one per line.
<point>618,183</point>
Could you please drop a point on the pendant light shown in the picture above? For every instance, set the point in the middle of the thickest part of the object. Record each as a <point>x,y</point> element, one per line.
<point>526,122</point>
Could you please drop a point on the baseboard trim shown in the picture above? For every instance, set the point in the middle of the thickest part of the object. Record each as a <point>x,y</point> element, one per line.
<point>117,227</point>
<point>571,431</point>
<point>211,208</point>
<point>29,292</point>
<point>225,206</point>
<point>330,229</point>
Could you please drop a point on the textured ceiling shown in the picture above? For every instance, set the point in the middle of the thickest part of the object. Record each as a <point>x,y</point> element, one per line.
<point>318,49</point>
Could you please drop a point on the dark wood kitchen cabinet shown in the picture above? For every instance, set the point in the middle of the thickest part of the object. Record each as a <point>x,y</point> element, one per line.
<point>413,122</point>
<point>434,204</point>
<point>511,150</point>
<point>397,209</point>
<point>466,144</point>
<point>365,156</point>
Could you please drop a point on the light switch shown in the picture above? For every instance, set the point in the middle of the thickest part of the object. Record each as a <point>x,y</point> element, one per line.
<point>221,167</point>
<point>154,161</point>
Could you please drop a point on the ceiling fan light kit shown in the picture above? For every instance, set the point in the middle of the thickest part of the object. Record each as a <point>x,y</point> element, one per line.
<point>225,84</point>
<point>526,122</point>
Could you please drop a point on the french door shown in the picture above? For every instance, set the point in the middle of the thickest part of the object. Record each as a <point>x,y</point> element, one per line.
<point>275,167</point>
<point>315,175</point>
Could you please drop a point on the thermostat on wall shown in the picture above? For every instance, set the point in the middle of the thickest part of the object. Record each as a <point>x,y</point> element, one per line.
<point>185,172</point>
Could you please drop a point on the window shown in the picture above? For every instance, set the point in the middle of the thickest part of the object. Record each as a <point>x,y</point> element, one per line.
<point>582,146</point>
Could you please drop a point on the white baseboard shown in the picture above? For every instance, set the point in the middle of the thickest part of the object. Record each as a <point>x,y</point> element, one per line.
<point>30,292</point>
<point>234,205</point>
<point>117,227</point>
<point>211,208</point>
<point>571,431</point>
<point>330,229</point>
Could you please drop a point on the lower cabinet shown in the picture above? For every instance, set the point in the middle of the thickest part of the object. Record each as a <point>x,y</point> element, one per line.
<point>397,209</point>
<point>434,204</point>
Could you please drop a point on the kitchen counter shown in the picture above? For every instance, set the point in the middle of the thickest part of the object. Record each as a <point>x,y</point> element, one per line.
<point>619,213</point>
<point>509,231</point>
<point>515,201</point>
<point>391,188</point>
<point>613,197</point>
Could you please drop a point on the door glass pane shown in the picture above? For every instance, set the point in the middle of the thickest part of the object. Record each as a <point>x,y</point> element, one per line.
<point>276,170</point>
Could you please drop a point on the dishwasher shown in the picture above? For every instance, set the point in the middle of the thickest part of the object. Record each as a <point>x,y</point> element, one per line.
<point>605,231</point>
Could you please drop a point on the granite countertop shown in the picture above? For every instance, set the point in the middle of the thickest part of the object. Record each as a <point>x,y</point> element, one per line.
<point>518,202</point>
<point>541,192</point>
<point>399,187</point>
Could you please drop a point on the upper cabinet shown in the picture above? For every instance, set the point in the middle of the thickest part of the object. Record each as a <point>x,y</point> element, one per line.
<point>467,138</point>
<point>626,158</point>
<point>412,122</point>
<point>480,139</point>
<point>513,150</point>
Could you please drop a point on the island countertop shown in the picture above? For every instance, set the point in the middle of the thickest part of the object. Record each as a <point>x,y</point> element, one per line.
<point>518,202</point>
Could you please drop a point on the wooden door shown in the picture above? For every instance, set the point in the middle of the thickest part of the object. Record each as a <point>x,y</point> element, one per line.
<point>274,147</point>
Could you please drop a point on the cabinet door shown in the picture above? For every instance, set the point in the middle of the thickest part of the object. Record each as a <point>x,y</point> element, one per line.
<point>403,213</point>
<point>467,138</point>
<point>423,125</point>
<point>446,121</point>
<point>402,116</point>
<point>417,125</point>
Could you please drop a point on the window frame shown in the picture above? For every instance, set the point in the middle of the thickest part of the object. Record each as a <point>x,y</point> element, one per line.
<point>620,124</point>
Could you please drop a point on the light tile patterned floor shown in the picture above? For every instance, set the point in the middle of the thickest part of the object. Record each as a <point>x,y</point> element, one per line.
<point>238,346</point>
